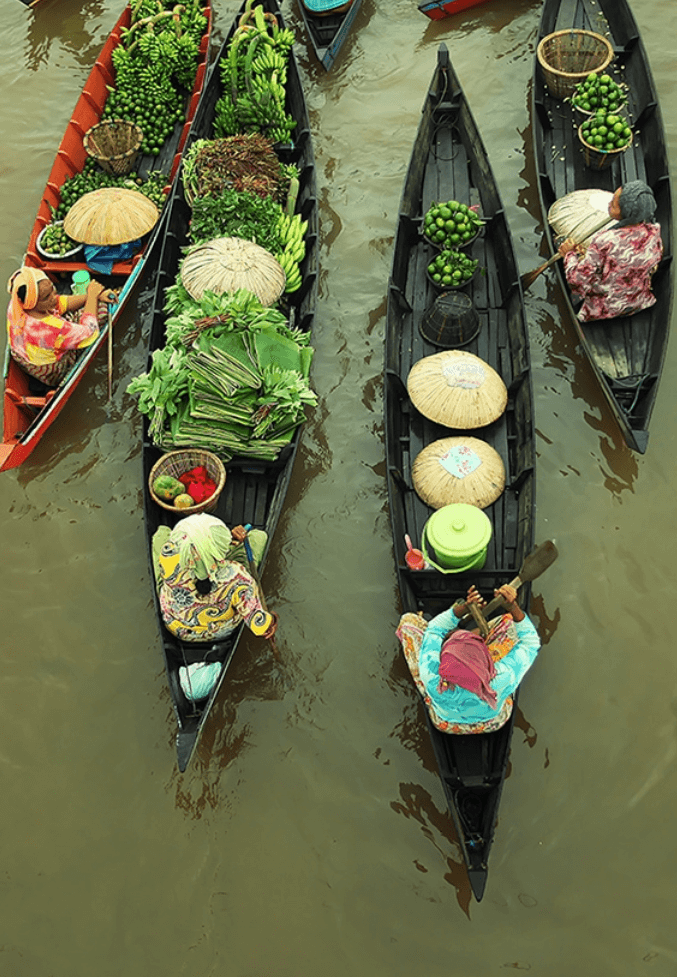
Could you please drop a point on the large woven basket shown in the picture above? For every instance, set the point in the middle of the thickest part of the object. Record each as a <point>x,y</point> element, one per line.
<point>176,463</point>
<point>114,144</point>
<point>568,57</point>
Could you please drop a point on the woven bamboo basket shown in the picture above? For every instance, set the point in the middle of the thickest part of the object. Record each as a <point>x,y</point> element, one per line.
<point>568,57</point>
<point>176,463</point>
<point>597,159</point>
<point>114,144</point>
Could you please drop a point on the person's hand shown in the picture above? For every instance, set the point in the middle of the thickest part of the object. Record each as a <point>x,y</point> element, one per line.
<point>570,245</point>
<point>474,597</point>
<point>100,292</point>
<point>509,597</point>
<point>273,627</point>
<point>239,534</point>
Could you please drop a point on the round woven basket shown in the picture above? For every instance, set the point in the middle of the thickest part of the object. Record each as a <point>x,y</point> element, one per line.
<point>114,144</point>
<point>596,159</point>
<point>567,57</point>
<point>177,463</point>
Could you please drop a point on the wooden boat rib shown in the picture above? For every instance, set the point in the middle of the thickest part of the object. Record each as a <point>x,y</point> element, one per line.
<point>254,492</point>
<point>448,162</point>
<point>328,33</point>
<point>625,353</point>
<point>27,413</point>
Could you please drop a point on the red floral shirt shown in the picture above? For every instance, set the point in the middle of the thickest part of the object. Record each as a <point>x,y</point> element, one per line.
<point>614,276</point>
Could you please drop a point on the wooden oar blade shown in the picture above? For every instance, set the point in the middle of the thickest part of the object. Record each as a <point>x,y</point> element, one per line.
<point>538,560</point>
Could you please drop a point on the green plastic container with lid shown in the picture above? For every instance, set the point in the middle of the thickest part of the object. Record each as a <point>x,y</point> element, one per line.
<point>456,537</point>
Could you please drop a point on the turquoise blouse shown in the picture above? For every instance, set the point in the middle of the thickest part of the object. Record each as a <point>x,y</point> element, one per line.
<point>457,705</point>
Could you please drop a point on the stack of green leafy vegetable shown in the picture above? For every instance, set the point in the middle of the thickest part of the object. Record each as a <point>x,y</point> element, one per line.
<point>232,377</point>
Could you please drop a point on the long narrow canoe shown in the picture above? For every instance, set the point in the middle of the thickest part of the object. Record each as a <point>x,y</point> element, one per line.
<point>626,353</point>
<point>328,32</point>
<point>29,408</point>
<point>448,162</point>
<point>255,491</point>
<point>439,9</point>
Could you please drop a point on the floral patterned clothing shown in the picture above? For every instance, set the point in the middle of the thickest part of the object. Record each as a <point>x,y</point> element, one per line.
<point>44,342</point>
<point>192,616</point>
<point>513,646</point>
<point>614,276</point>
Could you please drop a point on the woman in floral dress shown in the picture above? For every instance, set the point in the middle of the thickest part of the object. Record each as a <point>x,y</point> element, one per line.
<point>612,274</point>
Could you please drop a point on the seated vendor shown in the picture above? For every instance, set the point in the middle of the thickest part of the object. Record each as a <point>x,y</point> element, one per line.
<point>204,588</point>
<point>466,681</point>
<point>612,272</point>
<point>43,340</point>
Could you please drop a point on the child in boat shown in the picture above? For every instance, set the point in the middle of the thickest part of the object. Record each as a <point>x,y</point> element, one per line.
<point>43,341</point>
<point>466,681</point>
<point>612,274</point>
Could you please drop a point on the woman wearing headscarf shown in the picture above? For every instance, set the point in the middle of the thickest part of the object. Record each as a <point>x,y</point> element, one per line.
<point>205,590</point>
<point>42,339</point>
<point>467,681</point>
<point>612,274</point>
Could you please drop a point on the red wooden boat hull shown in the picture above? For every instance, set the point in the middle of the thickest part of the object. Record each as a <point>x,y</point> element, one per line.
<point>26,417</point>
<point>439,9</point>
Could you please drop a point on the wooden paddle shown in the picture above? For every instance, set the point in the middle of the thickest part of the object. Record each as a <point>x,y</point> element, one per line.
<point>110,353</point>
<point>255,575</point>
<point>530,277</point>
<point>534,564</point>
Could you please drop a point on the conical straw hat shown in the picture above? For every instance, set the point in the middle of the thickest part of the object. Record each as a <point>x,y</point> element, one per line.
<point>111,215</point>
<point>457,389</point>
<point>578,213</point>
<point>229,263</point>
<point>458,470</point>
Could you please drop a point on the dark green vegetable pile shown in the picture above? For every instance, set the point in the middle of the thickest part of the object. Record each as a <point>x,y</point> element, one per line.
<point>232,377</point>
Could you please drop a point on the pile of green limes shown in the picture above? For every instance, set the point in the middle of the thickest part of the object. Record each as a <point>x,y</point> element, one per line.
<point>606,132</point>
<point>451,225</point>
<point>598,92</point>
<point>55,242</point>
<point>452,269</point>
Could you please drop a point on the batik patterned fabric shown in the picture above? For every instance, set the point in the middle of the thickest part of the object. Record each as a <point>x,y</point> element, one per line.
<point>614,276</point>
<point>513,647</point>
<point>210,617</point>
<point>47,348</point>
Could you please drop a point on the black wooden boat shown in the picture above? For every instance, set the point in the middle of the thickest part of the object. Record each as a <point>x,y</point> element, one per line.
<point>254,492</point>
<point>328,32</point>
<point>449,162</point>
<point>626,353</point>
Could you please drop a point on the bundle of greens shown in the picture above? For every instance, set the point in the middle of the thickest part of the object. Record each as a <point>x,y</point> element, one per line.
<point>242,162</point>
<point>232,378</point>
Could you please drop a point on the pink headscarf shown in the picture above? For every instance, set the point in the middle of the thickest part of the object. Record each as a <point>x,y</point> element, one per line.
<point>31,278</point>
<point>465,660</point>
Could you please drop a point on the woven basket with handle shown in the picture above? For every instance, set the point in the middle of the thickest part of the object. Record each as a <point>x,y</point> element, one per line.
<point>568,57</point>
<point>177,463</point>
<point>114,144</point>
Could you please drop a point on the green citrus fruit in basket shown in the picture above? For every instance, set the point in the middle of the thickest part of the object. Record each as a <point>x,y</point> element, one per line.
<point>451,223</point>
<point>451,269</point>
<point>606,132</point>
<point>598,92</point>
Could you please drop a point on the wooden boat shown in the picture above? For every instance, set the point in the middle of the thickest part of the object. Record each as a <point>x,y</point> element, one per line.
<point>29,407</point>
<point>328,32</point>
<point>439,9</point>
<point>254,492</point>
<point>626,353</point>
<point>449,162</point>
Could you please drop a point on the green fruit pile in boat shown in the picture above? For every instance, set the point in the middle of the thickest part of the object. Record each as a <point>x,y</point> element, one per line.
<point>452,269</point>
<point>598,92</point>
<point>451,225</point>
<point>606,132</point>
<point>55,241</point>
